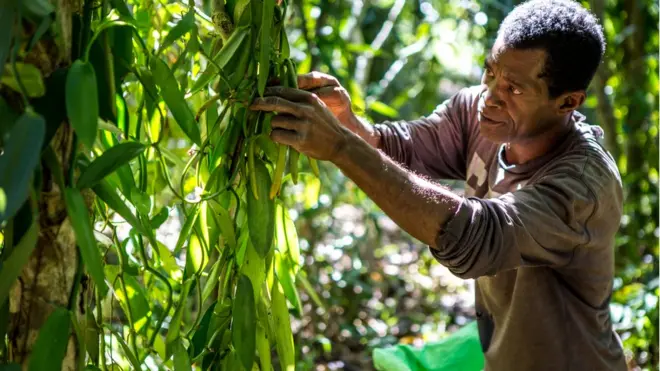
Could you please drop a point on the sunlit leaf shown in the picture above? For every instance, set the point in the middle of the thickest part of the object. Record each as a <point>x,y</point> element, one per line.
<point>82,102</point>
<point>82,226</point>
<point>29,75</point>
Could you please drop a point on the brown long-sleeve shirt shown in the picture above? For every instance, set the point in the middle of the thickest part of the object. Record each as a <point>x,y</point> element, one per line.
<point>537,237</point>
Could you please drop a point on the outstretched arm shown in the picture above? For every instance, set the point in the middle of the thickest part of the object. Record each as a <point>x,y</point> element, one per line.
<point>304,122</point>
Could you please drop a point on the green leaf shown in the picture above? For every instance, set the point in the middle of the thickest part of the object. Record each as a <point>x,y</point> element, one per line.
<point>181,360</point>
<point>261,212</point>
<point>254,267</point>
<point>13,264</point>
<point>198,341</point>
<point>282,328</point>
<point>30,77</point>
<point>225,223</point>
<point>383,109</point>
<point>7,13</point>
<point>173,97</point>
<point>287,237</point>
<point>38,8</point>
<point>244,324</point>
<point>265,44</point>
<point>82,226</point>
<point>181,28</point>
<point>222,58</point>
<point>175,324</point>
<point>51,343</point>
<point>160,218</point>
<point>20,158</point>
<point>82,102</point>
<point>285,275</point>
<point>108,162</point>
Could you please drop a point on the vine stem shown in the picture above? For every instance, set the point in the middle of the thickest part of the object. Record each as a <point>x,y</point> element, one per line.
<point>147,267</point>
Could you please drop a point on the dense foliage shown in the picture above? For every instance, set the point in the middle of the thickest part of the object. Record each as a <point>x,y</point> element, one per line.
<point>197,234</point>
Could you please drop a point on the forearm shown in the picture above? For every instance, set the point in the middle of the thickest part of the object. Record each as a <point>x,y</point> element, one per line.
<point>363,129</point>
<point>418,206</point>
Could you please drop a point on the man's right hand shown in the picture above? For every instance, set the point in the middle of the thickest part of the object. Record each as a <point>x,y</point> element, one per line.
<point>336,98</point>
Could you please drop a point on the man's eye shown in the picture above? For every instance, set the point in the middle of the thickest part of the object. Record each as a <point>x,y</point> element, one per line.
<point>489,73</point>
<point>515,91</point>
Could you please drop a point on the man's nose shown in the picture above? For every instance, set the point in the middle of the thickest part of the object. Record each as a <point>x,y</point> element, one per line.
<point>492,97</point>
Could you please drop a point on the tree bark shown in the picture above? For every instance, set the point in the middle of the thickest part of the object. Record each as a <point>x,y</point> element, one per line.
<point>47,280</point>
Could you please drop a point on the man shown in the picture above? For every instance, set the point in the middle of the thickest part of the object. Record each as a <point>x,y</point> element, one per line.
<point>543,199</point>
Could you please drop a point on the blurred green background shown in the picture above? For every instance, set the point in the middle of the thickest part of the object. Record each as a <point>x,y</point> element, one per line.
<point>399,60</point>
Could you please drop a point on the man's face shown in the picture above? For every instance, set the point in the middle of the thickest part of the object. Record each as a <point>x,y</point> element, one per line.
<point>515,105</point>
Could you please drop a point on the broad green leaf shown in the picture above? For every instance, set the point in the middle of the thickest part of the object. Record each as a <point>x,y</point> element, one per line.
<point>265,44</point>
<point>160,218</point>
<point>108,162</point>
<point>198,341</point>
<point>287,278</point>
<point>175,324</point>
<point>19,160</point>
<point>127,351</point>
<point>168,261</point>
<point>141,200</point>
<point>263,347</point>
<point>181,28</point>
<point>38,8</point>
<point>82,102</point>
<point>30,77</point>
<point>7,17</point>
<point>282,328</point>
<point>51,343</point>
<point>173,97</point>
<point>13,264</point>
<point>181,359</point>
<point>261,212</point>
<point>287,237</point>
<point>82,226</point>
<point>254,267</point>
<point>233,45</point>
<point>92,368</point>
<point>244,324</point>
<point>225,224</point>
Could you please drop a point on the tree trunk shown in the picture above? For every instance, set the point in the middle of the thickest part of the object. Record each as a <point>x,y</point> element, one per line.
<point>47,280</point>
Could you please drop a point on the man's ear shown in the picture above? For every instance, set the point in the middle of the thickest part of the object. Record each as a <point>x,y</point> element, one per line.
<point>570,101</point>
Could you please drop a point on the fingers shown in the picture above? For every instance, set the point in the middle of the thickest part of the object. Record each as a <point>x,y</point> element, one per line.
<point>292,94</point>
<point>315,80</point>
<point>327,92</point>
<point>281,105</point>
<point>283,136</point>
<point>287,122</point>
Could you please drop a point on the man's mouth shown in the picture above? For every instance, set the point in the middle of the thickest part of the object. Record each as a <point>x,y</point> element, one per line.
<point>485,119</point>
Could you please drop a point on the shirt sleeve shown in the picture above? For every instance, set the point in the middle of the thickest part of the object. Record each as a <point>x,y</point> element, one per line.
<point>435,145</point>
<point>539,225</point>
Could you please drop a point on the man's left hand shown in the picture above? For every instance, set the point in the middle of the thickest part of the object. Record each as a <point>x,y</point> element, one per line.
<point>303,122</point>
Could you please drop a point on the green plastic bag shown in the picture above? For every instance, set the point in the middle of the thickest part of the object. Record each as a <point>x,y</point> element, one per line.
<point>461,351</point>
